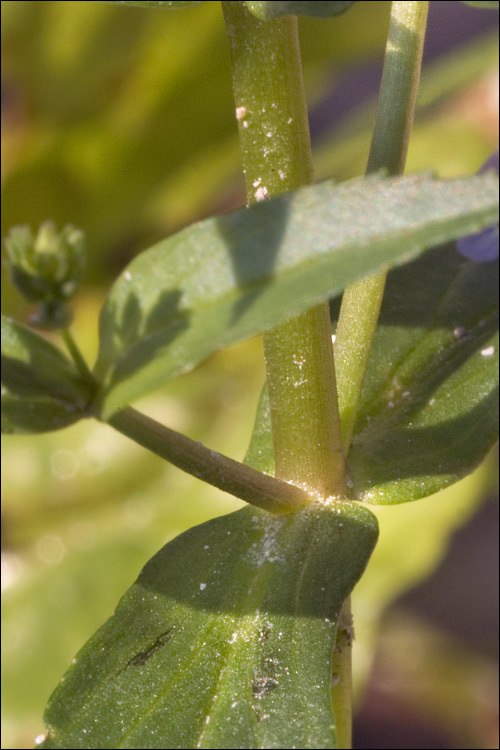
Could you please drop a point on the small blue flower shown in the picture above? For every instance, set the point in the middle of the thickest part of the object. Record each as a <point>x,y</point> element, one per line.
<point>482,246</point>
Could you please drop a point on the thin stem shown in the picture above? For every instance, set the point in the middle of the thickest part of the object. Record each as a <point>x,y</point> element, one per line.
<point>274,135</point>
<point>361,301</point>
<point>341,693</point>
<point>212,467</point>
<point>77,358</point>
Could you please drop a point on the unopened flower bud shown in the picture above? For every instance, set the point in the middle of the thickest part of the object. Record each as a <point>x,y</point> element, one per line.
<point>47,269</point>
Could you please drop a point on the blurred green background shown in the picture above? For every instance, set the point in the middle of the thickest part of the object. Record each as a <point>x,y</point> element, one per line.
<point>121,121</point>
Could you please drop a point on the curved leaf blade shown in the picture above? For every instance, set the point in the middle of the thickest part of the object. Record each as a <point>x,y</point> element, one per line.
<point>270,9</point>
<point>430,404</point>
<point>41,390</point>
<point>429,408</point>
<point>228,278</point>
<point>225,640</point>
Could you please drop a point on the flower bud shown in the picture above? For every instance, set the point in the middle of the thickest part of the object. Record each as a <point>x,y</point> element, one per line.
<point>47,269</point>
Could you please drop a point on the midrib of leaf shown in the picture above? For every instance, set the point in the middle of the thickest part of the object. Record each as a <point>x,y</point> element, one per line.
<point>403,369</point>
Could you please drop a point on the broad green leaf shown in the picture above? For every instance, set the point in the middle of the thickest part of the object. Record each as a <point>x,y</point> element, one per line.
<point>230,277</point>
<point>429,408</point>
<point>41,389</point>
<point>225,640</point>
<point>269,9</point>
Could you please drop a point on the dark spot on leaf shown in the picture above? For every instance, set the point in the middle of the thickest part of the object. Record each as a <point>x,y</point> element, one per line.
<point>143,656</point>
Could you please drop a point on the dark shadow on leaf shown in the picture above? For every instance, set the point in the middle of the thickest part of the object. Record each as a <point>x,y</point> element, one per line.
<point>263,226</point>
<point>450,447</point>
<point>141,337</point>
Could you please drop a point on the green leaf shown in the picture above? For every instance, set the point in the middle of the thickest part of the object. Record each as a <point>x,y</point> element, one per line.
<point>227,278</point>
<point>430,403</point>
<point>266,10</point>
<point>41,389</point>
<point>429,407</point>
<point>225,640</point>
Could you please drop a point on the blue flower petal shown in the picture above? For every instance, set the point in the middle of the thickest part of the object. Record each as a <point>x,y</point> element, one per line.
<point>482,246</point>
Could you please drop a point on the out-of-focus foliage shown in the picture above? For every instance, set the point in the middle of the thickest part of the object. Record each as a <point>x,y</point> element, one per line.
<point>123,118</point>
<point>121,121</point>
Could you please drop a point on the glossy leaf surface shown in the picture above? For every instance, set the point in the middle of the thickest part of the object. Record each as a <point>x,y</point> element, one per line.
<point>41,390</point>
<point>266,10</point>
<point>228,278</point>
<point>225,640</point>
<point>429,408</point>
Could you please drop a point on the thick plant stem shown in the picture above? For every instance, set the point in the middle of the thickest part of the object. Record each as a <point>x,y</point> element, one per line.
<point>361,301</point>
<point>274,135</point>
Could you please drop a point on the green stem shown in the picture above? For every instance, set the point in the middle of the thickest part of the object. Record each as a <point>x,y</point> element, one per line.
<point>341,692</point>
<point>361,301</point>
<point>274,135</point>
<point>212,467</point>
<point>78,359</point>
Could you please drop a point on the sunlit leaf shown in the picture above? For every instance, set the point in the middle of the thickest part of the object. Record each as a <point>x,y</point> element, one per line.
<point>429,409</point>
<point>230,277</point>
<point>225,640</point>
<point>41,389</point>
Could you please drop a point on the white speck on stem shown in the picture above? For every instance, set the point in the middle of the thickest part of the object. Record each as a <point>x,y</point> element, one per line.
<point>127,276</point>
<point>240,113</point>
<point>203,586</point>
<point>261,193</point>
<point>488,352</point>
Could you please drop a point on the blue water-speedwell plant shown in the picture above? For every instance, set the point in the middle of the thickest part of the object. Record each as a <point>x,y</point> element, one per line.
<point>238,633</point>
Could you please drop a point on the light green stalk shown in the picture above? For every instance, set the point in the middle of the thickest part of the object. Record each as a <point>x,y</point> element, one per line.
<point>273,126</point>
<point>274,135</point>
<point>361,301</point>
